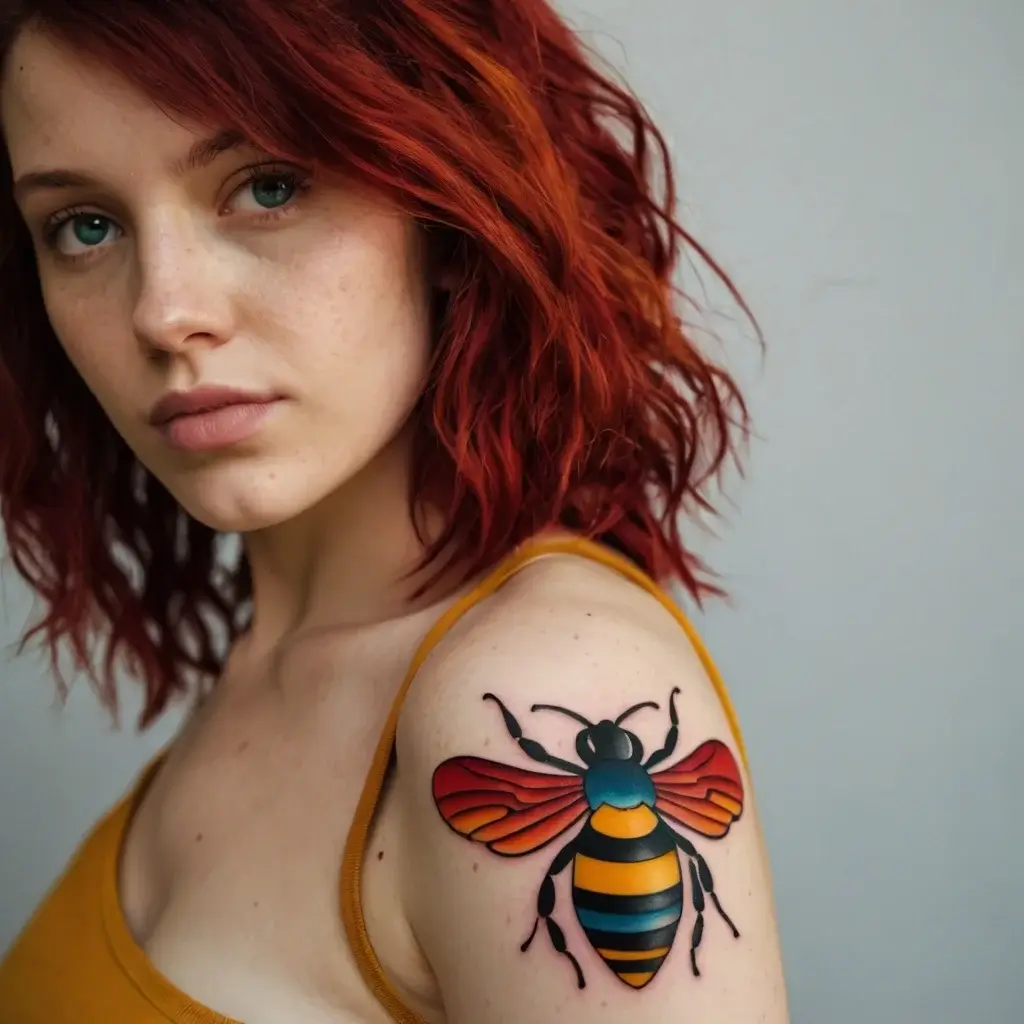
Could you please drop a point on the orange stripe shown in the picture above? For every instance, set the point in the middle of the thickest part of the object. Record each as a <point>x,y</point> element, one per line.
<point>634,823</point>
<point>633,954</point>
<point>636,879</point>
<point>637,980</point>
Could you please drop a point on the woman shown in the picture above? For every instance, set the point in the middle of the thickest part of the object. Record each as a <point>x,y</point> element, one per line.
<point>385,290</point>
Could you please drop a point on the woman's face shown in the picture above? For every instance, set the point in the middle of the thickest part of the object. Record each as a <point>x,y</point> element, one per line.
<point>171,267</point>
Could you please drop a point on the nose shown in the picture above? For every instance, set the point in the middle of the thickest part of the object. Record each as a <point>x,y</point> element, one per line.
<point>184,296</point>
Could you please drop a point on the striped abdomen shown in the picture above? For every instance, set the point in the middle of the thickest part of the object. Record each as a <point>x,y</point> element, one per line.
<point>627,890</point>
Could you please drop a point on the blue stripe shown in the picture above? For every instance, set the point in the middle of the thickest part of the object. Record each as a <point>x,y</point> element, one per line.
<point>595,920</point>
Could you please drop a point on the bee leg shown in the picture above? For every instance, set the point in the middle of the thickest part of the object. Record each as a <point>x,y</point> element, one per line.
<point>701,883</point>
<point>532,748</point>
<point>671,738</point>
<point>697,897</point>
<point>546,907</point>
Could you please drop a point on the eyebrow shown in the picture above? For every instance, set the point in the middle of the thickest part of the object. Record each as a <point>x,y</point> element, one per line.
<point>201,154</point>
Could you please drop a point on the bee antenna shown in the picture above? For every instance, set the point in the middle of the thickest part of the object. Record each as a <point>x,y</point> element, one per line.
<point>563,711</point>
<point>636,707</point>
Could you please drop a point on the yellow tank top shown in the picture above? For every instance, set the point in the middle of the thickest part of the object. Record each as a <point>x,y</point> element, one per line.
<point>76,961</point>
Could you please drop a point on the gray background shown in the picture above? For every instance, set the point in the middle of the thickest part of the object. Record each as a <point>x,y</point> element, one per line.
<point>858,167</point>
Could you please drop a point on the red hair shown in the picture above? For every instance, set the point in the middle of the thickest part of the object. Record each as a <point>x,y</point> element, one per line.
<point>564,388</point>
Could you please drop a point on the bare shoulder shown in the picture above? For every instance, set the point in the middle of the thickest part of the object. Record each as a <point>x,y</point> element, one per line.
<point>586,843</point>
<point>570,614</point>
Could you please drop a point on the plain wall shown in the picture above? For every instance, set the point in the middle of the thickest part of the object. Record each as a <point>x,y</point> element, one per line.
<point>857,168</point>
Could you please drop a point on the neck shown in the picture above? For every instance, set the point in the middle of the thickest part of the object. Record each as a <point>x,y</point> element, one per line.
<point>345,562</point>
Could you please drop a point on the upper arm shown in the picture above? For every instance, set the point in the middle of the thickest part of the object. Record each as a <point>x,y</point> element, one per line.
<point>475,891</point>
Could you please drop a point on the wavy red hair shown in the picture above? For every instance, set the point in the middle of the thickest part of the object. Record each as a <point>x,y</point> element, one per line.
<point>564,388</point>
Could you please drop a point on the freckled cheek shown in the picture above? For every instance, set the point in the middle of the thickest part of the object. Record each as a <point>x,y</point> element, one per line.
<point>352,324</point>
<point>100,350</point>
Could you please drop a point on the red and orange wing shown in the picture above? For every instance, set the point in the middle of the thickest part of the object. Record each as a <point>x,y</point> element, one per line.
<point>511,810</point>
<point>703,792</point>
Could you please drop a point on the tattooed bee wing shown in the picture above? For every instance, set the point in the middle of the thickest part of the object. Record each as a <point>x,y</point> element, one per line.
<point>511,810</point>
<point>703,791</point>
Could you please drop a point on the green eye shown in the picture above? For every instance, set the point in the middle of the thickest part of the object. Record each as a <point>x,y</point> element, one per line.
<point>90,229</point>
<point>74,234</point>
<point>273,190</point>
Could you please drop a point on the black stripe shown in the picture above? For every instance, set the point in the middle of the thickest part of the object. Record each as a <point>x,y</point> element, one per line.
<point>635,966</point>
<point>631,941</point>
<point>609,904</point>
<point>592,843</point>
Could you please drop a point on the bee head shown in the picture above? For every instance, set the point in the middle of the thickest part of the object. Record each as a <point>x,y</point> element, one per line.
<point>608,741</point>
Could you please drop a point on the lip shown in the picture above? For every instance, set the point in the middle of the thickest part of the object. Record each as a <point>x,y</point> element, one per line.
<point>208,418</point>
<point>204,399</point>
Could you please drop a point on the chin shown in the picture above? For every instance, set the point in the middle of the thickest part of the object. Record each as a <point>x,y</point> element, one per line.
<point>245,498</point>
<point>240,513</point>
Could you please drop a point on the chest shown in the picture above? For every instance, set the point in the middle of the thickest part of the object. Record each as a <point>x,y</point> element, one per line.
<point>231,870</point>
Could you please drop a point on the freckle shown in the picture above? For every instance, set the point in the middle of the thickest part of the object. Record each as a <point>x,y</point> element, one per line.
<point>588,615</point>
<point>575,636</point>
<point>243,746</point>
<point>487,741</point>
<point>508,919</point>
<point>604,1004</point>
<point>255,903</point>
<point>380,855</point>
<point>476,867</point>
<point>199,837</point>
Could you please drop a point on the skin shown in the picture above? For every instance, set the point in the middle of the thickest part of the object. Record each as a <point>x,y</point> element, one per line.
<point>229,871</point>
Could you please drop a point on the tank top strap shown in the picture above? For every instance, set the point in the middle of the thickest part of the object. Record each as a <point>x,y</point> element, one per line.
<point>355,847</point>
